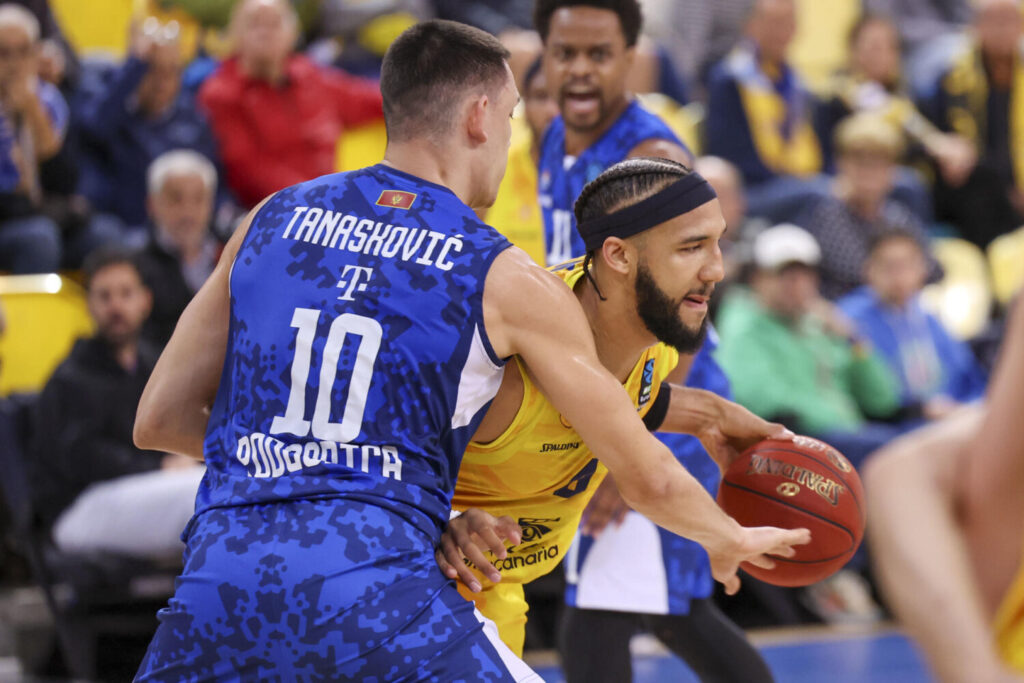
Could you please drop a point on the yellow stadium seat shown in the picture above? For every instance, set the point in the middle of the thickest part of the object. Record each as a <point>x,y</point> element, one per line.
<point>101,26</point>
<point>361,146</point>
<point>45,314</point>
<point>820,45</point>
<point>962,300</point>
<point>1006,258</point>
<point>684,121</point>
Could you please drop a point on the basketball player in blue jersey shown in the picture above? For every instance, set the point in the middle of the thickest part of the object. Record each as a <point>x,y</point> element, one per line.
<point>331,372</point>
<point>588,51</point>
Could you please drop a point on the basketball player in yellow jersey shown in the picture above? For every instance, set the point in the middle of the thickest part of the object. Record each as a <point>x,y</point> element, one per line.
<point>947,517</point>
<point>651,227</point>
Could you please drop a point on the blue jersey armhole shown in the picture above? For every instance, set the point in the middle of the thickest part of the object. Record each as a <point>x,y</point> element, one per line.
<point>478,304</point>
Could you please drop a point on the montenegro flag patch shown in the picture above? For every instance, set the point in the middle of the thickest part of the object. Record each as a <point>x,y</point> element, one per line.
<point>396,199</point>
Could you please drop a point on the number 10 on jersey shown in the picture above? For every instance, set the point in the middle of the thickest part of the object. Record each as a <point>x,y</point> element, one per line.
<point>306,320</point>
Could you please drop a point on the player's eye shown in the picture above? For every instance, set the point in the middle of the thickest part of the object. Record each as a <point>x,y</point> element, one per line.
<point>691,248</point>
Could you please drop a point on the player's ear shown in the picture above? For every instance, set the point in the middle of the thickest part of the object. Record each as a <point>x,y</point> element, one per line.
<point>618,254</point>
<point>477,108</point>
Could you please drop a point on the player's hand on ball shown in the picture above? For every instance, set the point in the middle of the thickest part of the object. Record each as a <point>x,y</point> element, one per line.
<point>754,544</point>
<point>734,430</point>
<point>469,536</point>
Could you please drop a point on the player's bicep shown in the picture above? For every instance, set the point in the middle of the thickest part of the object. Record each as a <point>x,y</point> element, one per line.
<point>541,320</point>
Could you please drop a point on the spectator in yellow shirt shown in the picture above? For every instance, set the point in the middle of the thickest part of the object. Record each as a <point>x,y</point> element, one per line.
<point>516,213</point>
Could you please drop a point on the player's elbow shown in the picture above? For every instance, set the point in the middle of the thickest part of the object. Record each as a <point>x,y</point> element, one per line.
<point>645,490</point>
<point>148,427</point>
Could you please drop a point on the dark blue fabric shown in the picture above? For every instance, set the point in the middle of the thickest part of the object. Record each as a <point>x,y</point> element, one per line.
<point>122,143</point>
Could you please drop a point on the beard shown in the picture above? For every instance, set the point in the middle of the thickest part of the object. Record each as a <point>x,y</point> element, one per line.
<point>660,315</point>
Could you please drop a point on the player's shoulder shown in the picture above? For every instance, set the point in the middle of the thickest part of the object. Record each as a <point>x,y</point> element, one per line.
<point>513,268</point>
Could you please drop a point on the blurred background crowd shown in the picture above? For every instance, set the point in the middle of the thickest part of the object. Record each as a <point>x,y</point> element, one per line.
<point>868,156</point>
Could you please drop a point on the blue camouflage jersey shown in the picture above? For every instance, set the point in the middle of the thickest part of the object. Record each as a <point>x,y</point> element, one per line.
<point>561,178</point>
<point>357,369</point>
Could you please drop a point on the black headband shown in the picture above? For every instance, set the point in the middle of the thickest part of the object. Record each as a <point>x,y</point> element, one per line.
<point>682,196</point>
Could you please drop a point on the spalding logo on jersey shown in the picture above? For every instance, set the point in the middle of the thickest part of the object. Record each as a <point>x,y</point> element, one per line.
<point>646,382</point>
<point>396,199</point>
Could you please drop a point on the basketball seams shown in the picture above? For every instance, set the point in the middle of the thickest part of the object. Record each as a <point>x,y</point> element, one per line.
<point>794,507</point>
<point>824,463</point>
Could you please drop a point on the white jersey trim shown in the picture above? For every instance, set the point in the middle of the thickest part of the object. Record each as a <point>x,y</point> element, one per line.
<point>516,667</point>
<point>478,384</point>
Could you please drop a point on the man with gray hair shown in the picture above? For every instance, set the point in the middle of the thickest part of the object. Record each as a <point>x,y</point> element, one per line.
<point>181,251</point>
<point>33,118</point>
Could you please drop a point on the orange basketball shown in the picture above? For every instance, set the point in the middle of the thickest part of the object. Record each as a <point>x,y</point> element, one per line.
<point>793,484</point>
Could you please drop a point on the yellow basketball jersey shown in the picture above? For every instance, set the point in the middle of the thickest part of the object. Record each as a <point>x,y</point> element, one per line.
<point>540,473</point>
<point>1009,625</point>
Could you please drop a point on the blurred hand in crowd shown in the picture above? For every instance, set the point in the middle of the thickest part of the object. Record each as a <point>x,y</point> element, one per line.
<point>159,46</point>
<point>52,62</point>
<point>956,157</point>
<point>832,319</point>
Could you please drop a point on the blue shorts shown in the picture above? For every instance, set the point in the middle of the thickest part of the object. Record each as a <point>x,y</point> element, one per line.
<point>319,591</point>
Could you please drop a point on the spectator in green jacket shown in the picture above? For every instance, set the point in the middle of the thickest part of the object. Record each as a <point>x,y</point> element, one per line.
<point>791,356</point>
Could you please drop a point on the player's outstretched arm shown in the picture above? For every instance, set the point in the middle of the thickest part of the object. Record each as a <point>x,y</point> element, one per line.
<point>724,428</point>
<point>175,405</point>
<point>532,313</point>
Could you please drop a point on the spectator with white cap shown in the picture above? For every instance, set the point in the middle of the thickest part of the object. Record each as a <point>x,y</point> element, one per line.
<point>792,357</point>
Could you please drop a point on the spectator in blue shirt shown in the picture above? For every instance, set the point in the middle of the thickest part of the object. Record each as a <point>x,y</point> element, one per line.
<point>33,119</point>
<point>134,114</point>
<point>936,372</point>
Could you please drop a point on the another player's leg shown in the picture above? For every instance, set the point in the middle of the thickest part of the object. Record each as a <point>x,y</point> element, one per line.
<point>594,645</point>
<point>714,647</point>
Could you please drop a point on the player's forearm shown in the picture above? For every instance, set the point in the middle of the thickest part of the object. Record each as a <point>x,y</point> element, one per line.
<point>691,410</point>
<point>921,558</point>
<point>170,418</point>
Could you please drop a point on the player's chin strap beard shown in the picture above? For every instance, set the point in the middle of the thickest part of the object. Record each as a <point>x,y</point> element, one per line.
<point>682,196</point>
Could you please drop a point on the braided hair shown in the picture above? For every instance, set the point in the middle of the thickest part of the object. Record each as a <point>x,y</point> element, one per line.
<point>622,185</point>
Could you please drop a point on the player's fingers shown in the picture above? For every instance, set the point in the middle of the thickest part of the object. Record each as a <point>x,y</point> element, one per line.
<point>453,557</point>
<point>492,542</point>
<point>797,537</point>
<point>762,561</point>
<point>597,520</point>
<point>446,568</point>
<point>783,551</point>
<point>620,515</point>
<point>476,556</point>
<point>732,584</point>
<point>778,431</point>
<point>509,529</point>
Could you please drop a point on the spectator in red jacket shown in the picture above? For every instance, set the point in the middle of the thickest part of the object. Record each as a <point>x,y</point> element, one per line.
<point>276,115</point>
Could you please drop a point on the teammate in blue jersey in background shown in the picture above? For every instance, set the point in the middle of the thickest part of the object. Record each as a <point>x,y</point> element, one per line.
<point>588,52</point>
<point>331,371</point>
